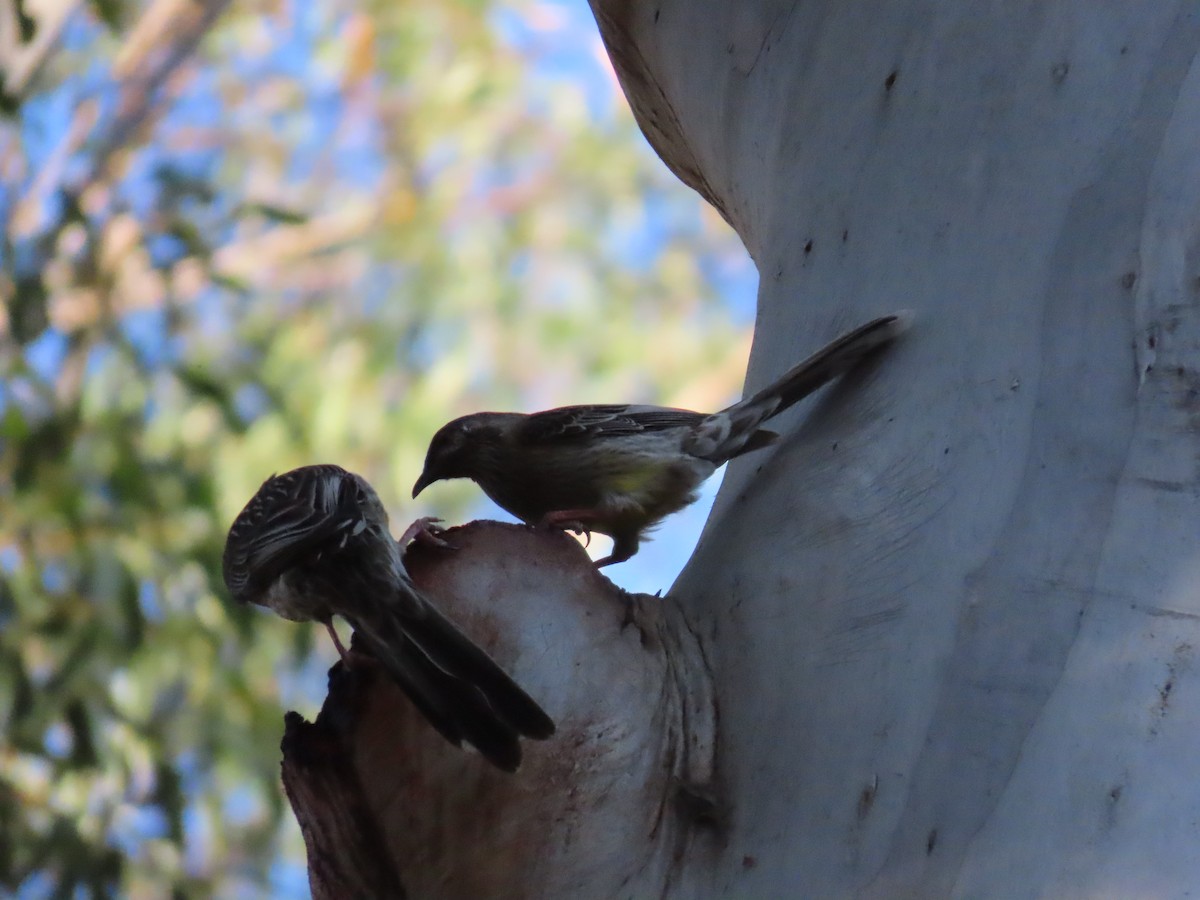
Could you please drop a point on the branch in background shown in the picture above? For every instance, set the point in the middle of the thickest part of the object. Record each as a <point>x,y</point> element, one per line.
<point>289,244</point>
<point>162,40</point>
<point>22,55</point>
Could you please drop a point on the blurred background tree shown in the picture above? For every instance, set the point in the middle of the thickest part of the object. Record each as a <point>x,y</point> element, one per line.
<point>235,241</point>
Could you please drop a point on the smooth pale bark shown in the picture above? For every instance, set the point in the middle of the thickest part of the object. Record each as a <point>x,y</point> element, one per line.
<point>954,617</point>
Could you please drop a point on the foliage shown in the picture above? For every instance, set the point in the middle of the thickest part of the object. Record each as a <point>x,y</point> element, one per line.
<point>234,244</point>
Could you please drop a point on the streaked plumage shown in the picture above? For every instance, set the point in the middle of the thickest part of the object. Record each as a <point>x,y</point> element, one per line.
<point>621,469</point>
<point>313,543</point>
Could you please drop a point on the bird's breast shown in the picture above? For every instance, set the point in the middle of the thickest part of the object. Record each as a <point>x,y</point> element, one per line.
<point>624,482</point>
<point>295,599</point>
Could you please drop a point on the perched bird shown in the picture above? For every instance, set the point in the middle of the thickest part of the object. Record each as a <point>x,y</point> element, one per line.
<point>314,542</point>
<point>619,470</point>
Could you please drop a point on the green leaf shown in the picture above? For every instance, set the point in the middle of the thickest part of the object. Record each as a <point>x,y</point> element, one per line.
<point>177,184</point>
<point>230,283</point>
<point>192,238</point>
<point>109,12</point>
<point>26,25</point>
<point>274,213</point>
<point>27,312</point>
<point>83,749</point>
<point>10,104</point>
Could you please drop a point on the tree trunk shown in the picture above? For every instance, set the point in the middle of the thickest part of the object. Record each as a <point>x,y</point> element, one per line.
<point>954,617</point>
<point>608,807</point>
<point>951,621</point>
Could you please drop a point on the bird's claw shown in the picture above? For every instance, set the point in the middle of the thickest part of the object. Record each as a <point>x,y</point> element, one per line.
<point>425,530</point>
<point>564,525</point>
<point>573,520</point>
<point>576,528</point>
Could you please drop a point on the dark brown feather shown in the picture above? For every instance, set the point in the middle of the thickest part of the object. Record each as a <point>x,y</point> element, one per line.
<point>313,543</point>
<point>619,469</point>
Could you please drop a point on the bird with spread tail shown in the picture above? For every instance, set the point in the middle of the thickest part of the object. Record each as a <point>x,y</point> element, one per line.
<point>313,543</point>
<point>621,469</point>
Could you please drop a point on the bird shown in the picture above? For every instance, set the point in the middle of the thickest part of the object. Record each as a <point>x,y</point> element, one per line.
<point>313,543</point>
<point>620,469</point>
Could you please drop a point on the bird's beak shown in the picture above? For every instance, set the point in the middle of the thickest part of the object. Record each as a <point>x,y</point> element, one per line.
<point>423,482</point>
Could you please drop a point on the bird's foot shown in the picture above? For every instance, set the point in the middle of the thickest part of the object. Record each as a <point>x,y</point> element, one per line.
<point>337,642</point>
<point>576,520</point>
<point>622,550</point>
<point>425,530</point>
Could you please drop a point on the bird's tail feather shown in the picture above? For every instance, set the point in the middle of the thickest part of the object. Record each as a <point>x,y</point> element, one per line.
<point>832,360</point>
<point>740,421</point>
<point>461,690</point>
<point>453,651</point>
<point>456,708</point>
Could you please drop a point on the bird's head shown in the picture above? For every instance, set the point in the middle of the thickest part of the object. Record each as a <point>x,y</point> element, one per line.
<point>285,512</point>
<point>366,499</point>
<point>458,446</point>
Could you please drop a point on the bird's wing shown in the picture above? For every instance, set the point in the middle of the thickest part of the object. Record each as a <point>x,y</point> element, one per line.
<point>458,709</point>
<point>291,518</point>
<point>460,689</point>
<point>453,652</point>
<point>572,423</point>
